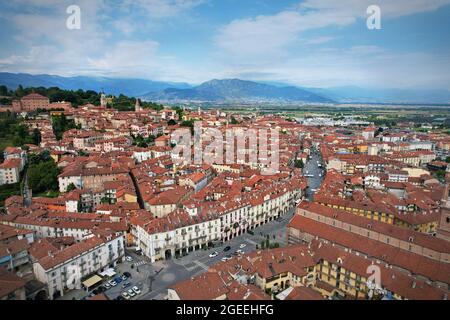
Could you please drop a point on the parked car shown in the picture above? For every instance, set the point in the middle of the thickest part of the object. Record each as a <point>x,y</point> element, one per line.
<point>227,248</point>
<point>226,258</point>
<point>120,298</point>
<point>242,245</point>
<point>126,295</point>
<point>131,293</point>
<point>107,286</point>
<point>213,254</point>
<point>240,251</point>
<point>112,283</point>
<point>124,277</point>
<point>127,274</point>
<point>136,290</point>
<point>126,285</point>
<point>128,258</point>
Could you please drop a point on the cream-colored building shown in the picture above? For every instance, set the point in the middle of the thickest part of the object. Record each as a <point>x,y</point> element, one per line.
<point>67,268</point>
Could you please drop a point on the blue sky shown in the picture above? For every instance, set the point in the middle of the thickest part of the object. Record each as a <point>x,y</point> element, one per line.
<point>317,43</point>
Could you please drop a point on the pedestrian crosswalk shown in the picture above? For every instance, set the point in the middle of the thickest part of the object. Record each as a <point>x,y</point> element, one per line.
<point>140,263</point>
<point>201,265</point>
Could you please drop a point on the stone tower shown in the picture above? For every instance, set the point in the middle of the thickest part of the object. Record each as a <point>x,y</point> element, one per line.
<point>444,223</point>
<point>103,100</point>
<point>137,106</point>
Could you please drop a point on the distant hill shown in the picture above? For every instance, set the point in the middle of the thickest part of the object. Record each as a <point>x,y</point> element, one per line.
<point>116,86</point>
<point>354,94</point>
<point>235,90</point>
<point>227,90</point>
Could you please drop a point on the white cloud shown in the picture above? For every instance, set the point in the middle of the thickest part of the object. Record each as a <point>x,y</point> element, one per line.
<point>271,34</point>
<point>274,47</point>
<point>47,46</point>
<point>360,65</point>
<point>357,8</point>
<point>278,47</point>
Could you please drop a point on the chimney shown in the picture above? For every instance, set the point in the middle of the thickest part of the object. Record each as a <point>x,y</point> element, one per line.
<point>414,285</point>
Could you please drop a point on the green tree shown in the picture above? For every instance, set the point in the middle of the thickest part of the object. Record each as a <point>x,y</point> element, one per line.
<point>299,164</point>
<point>36,137</point>
<point>105,200</point>
<point>180,112</point>
<point>70,187</point>
<point>61,124</point>
<point>3,90</point>
<point>43,176</point>
<point>440,174</point>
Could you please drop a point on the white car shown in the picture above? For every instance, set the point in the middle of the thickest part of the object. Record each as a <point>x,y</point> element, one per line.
<point>136,290</point>
<point>107,285</point>
<point>128,258</point>
<point>131,293</point>
<point>112,283</point>
<point>225,259</point>
<point>239,251</point>
<point>126,295</point>
<point>213,254</point>
<point>243,245</point>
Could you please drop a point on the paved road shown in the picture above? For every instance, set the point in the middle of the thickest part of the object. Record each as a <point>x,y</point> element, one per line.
<point>26,191</point>
<point>154,278</point>
<point>312,167</point>
<point>198,262</point>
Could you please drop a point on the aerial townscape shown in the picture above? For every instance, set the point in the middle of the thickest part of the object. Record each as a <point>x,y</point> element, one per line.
<point>295,181</point>
<point>99,189</point>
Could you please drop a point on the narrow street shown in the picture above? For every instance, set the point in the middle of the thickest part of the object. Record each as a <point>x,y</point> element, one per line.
<point>314,173</point>
<point>26,192</point>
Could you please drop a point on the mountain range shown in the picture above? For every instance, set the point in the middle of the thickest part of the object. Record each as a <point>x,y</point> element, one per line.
<point>227,90</point>
<point>115,86</point>
<point>236,90</point>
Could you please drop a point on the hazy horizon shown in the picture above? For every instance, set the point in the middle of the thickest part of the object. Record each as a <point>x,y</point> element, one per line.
<point>311,43</point>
